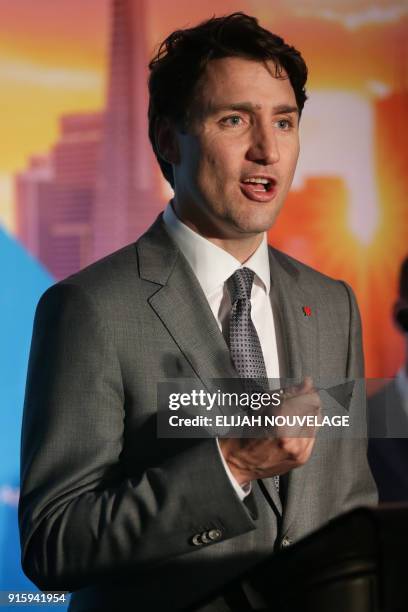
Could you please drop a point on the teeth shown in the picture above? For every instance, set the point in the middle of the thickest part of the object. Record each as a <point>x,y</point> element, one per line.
<point>263,181</point>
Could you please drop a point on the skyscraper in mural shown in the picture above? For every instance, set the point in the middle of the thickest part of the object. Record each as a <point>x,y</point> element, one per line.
<point>56,195</point>
<point>127,190</point>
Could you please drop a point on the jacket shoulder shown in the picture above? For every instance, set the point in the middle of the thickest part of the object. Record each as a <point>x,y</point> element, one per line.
<point>312,279</point>
<point>114,268</point>
<point>106,282</point>
<point>295,267</point>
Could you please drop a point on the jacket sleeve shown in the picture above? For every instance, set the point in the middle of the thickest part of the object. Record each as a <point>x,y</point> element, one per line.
<point>80,516</point>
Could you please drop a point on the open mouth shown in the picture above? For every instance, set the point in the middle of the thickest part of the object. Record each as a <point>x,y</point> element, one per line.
<point>259,188</point>
<point>259,184</point>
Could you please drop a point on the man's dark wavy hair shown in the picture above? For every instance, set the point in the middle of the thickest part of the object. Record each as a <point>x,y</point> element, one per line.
<point>182,57</point>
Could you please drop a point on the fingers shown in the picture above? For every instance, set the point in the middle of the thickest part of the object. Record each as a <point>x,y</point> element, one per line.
<point>263,458</point>
<point>292,453</point>
<point>297,450</point>
<point>306,386</point>
<point>299,403</point>
<point>288,447</point>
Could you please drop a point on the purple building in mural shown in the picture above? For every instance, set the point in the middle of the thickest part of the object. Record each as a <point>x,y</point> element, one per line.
<point>56,196</point>
<point>28,186</point>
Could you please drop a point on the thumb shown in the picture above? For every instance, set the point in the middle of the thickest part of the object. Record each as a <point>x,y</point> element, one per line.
<point>306,385</point>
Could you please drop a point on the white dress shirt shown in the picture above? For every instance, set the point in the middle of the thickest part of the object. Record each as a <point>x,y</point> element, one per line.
<point>212,267</point>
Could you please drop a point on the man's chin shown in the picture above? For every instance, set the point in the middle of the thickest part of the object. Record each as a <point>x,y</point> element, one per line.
<point>253,225</point>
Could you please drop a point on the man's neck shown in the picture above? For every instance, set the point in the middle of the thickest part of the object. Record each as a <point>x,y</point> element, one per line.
<point>241,249</point>
<point>241,246</point>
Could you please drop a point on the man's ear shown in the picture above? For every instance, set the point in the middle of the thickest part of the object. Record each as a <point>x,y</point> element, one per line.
<point>166,140</point>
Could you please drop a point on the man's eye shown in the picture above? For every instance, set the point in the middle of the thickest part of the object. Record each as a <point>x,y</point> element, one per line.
<point>284,124</point>
<point>232,120</point>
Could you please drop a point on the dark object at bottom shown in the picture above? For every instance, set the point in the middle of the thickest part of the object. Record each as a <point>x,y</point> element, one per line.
<point>356,563</point>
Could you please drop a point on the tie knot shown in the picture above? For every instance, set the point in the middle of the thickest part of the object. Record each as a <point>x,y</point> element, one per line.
<point>240,284</point>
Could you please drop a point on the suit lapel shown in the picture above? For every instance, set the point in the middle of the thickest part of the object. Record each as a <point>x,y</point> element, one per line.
<point>179,302</point>
<point>299,338</point>
<point>299,332</point>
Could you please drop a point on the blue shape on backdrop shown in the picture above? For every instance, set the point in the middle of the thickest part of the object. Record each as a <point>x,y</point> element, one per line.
<point>23,280</point>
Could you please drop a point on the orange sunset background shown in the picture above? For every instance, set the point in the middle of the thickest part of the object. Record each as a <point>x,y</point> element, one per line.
<point>347,212</point>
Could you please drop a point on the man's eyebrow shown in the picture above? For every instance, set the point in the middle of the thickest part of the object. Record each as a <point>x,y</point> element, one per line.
<point>250,107</point>
<point>285,108</point>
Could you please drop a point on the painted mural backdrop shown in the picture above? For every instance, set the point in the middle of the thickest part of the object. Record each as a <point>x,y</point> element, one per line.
<point>77,178</point>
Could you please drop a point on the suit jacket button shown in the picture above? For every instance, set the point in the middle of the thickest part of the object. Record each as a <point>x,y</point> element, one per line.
<point>204,537</point>
<point>285,542</point>
<point>214,534</point>
<point>196,540</point>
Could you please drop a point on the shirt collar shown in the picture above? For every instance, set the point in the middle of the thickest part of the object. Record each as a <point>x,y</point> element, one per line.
<point>211,264</point>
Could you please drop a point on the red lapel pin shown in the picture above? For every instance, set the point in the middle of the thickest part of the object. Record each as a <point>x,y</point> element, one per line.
<point>307,311</point>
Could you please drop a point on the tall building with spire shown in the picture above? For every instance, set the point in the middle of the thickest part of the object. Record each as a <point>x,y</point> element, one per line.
<point>127,190</point>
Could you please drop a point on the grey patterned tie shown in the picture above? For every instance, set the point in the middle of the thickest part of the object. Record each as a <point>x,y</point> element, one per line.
<point>245,348</point>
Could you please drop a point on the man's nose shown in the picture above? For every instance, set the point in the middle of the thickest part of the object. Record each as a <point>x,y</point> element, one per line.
<point>264,147</point>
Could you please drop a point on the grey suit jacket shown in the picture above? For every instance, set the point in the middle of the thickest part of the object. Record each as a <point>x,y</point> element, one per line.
<point>107,508</point>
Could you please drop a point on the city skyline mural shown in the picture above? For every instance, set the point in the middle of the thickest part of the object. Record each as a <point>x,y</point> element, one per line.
<point>78,179</point>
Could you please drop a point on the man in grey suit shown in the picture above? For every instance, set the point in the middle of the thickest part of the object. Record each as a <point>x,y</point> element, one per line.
<point>126,519</point>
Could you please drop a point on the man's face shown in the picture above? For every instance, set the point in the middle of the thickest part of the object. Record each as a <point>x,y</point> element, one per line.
<point>238,155</point>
